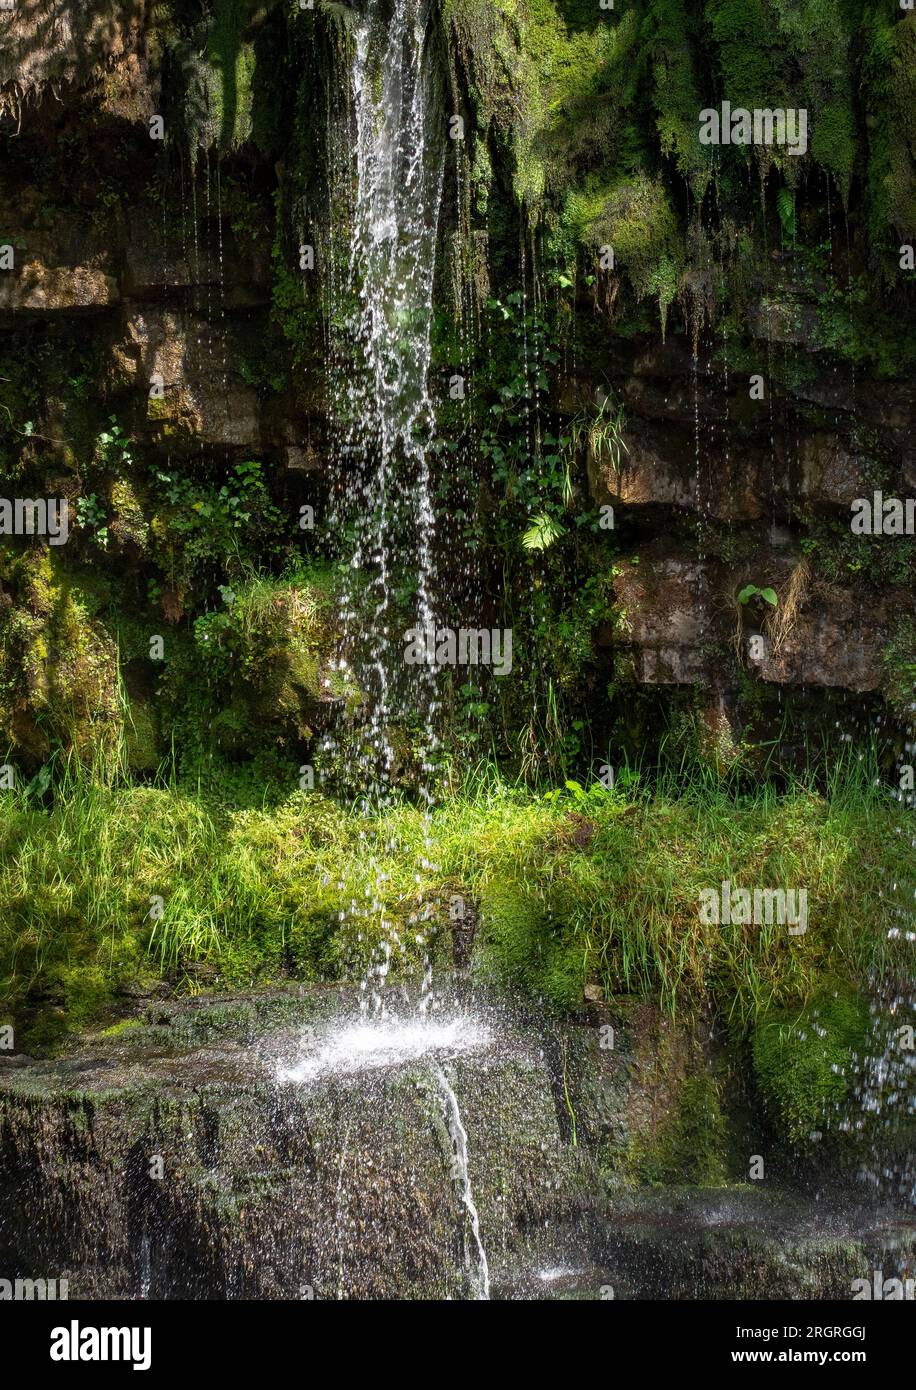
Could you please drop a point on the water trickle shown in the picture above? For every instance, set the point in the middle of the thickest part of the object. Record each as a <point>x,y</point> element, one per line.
<point>478,1268</point>
<point>146,1266</point>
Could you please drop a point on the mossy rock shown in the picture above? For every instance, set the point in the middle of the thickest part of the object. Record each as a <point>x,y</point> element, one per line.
<point>690,1146</point>
<point>58,670</point>
<point>899,684</point>
<point>802,1059</point>
<point>519,945</point>
<point>142,737</point>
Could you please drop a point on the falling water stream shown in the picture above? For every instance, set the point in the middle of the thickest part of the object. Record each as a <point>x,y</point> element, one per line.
<point>380,317</point>
<point>477,1259</point>
<point>387,160</point>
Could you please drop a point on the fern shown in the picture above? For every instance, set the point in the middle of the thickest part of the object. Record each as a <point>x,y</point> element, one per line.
<point>542,532</point>
<point>785,206</point>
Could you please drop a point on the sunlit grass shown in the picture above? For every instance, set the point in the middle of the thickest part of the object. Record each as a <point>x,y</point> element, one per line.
<point>576,886</point>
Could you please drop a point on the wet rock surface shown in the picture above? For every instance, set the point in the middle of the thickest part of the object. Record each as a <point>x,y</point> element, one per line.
<point>239,1149</point>
<point>705,1244</point>
<point>272,1189</point>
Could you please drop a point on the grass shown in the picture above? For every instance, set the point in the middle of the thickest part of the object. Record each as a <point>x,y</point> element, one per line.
<point>569,887</point>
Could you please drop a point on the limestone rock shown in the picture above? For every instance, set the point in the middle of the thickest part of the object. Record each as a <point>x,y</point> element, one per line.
<point>828,472</point>
<point>665,609</point>
<point>44,43</point>
<point>836,641</point>
<point>202,402</point>
<point>42,289</point>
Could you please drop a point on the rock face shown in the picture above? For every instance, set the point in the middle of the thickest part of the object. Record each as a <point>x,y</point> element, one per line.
<point>172,285</point>
<point>836,640</point>
<point>174,1162</point>
<point>43,44</point>
<point>42,289</point>
<point>664,604</point>
<point>681,623</point>
<point>713,492</point>
<point>60,265</point>
<point>147,1168</point>
<point>193,393</point>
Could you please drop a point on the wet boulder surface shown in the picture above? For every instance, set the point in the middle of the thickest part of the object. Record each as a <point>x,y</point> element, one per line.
<point>175,1164</point>
<point>278,1146</point>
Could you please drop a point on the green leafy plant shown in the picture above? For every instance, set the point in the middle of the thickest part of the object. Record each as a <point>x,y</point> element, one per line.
<point>785,206</point>
<point>604,433</point>
<point>114,444</point>
<point>206,522</point>
<point>91,516</point>
<point>751,591</point>
<point>542,532</point>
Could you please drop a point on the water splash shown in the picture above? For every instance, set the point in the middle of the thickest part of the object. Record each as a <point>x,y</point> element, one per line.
<point>360,1046</point>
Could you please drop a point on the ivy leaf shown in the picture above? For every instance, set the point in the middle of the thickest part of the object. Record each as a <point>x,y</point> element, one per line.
<point>769,596</point>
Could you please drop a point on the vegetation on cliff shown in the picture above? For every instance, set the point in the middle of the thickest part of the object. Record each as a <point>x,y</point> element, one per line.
<point>166,677</point>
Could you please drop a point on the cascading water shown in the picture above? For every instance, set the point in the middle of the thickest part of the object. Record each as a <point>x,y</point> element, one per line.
<point>386,156</point>
<point>386,185</point>
<point>381,315</point>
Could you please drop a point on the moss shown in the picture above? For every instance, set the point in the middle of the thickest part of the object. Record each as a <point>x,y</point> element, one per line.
<point>58,668</point>
<point>671,38</point>
<point>690,1144</point>
<point>802,1059</point>
<point>634,217</point>
<point>899,660</point>
<point>900,179</point>
<point>520,946</point>
<point>792,53</point>
<point>217,70</point>
<point>141,737</point>
<point>129,524</point>
<point>274,636</point>
<point>833,142</point>
<point>748,58</point>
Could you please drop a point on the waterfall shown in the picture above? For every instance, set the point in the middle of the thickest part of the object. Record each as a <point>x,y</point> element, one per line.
<point>386,160</point>
<point>883,1091</point>
<point>478,1267</point>
<point>380,318</point>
